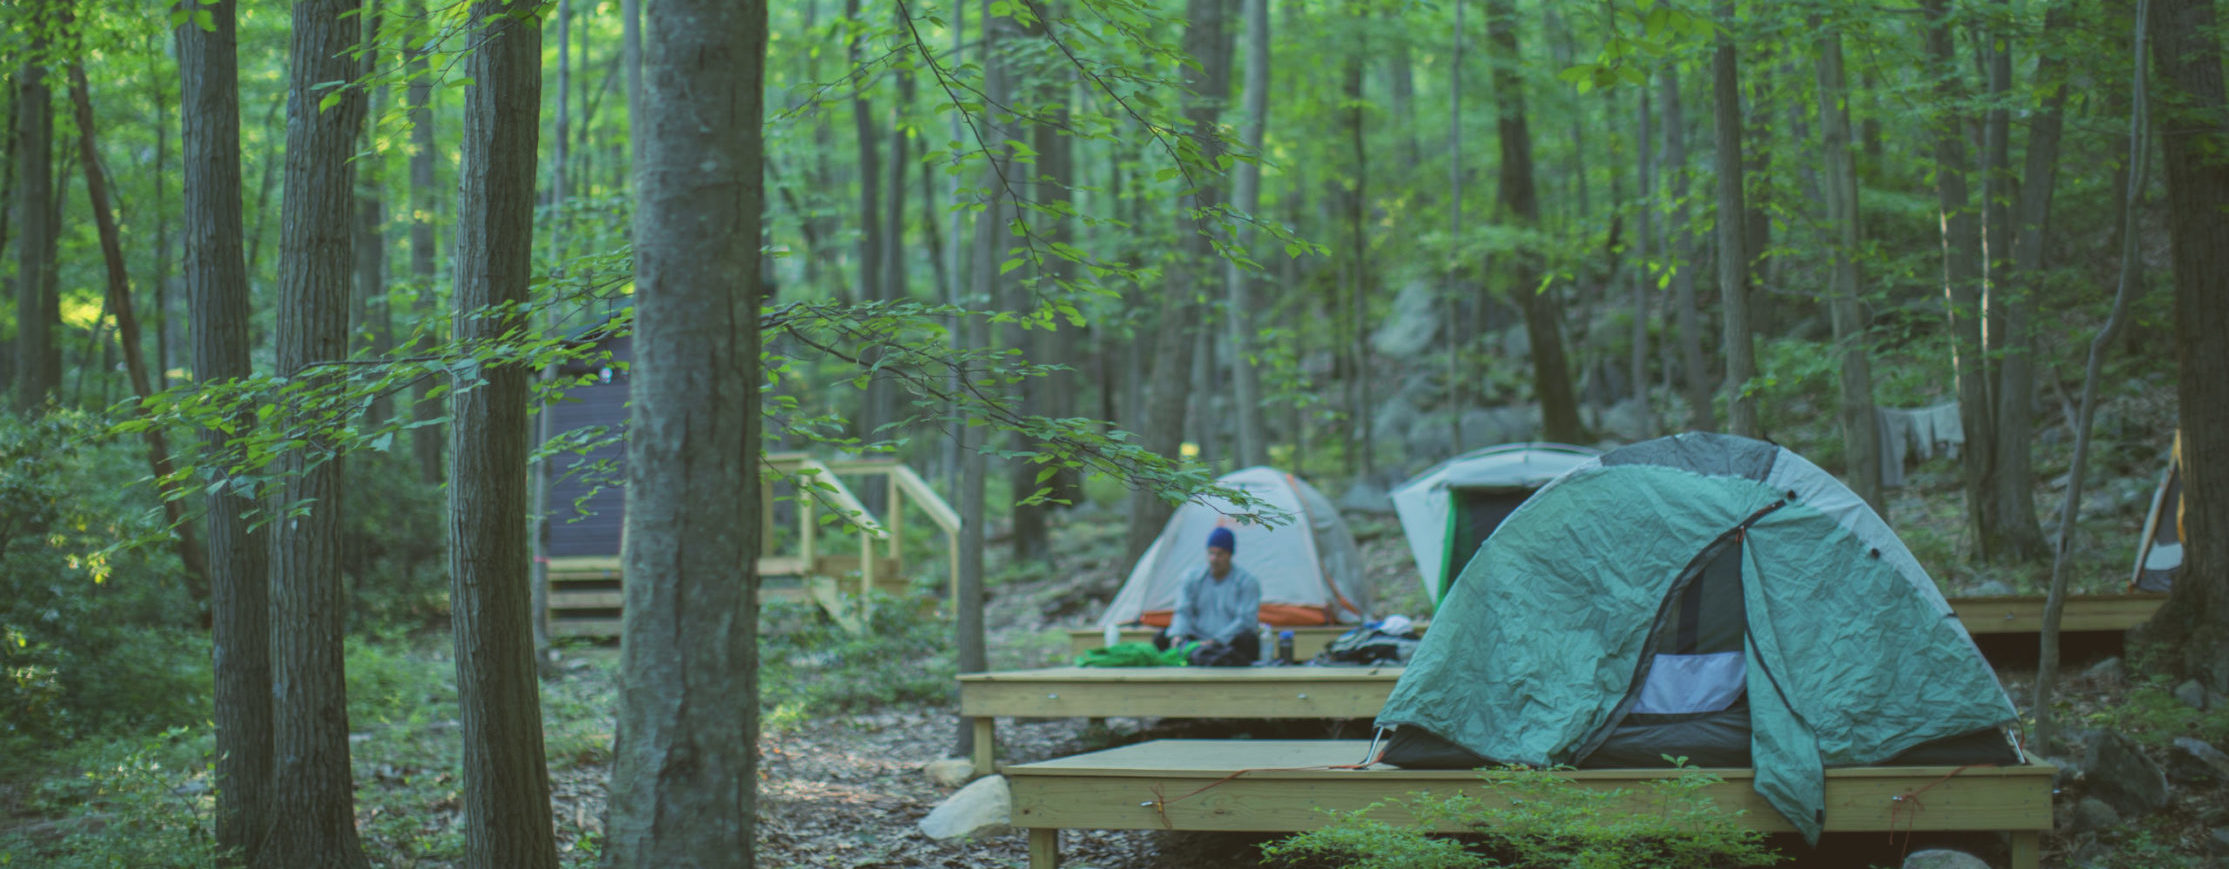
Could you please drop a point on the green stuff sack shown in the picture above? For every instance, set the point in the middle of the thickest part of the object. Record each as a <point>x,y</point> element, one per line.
<point>1135,655</point>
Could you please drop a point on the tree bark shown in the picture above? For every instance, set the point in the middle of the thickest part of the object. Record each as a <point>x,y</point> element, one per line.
<point>313,782</point>
<point>1359,416</point>
<point>506,777</point>
<point>425,441</point>
<point>2193,137</point>
<point>184,544</point>
<point>1695,374</point>
<point>1161,428</point>
<point>1733,256</point>
<point>1520,203</point>
<point>1861,438</point>
<point>1246,388</point>
<point>1644,270</point>
<point>38,359</point>
<point>216,279</point>
<point>685,768</point>
<point>878,404</point>
<point>1962,282</point>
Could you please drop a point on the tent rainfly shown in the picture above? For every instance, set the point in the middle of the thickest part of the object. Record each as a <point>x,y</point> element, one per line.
<point>1447,511</point>
<point>2159,555</point>
<point>1309,568</point>
<point>1701,596</point>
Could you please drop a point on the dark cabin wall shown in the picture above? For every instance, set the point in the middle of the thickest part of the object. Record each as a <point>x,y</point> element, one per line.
<point>591,528</point>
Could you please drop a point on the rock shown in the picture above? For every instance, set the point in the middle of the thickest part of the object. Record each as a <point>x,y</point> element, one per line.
<point>2120,774</point>
<point>2218,842</point>
<point>1942,858</point>
<point>1991,588</point>
<point>1492,426</point>
<point>1413,325</point>
<point>950,772</point>
<point>2194,760</point>
<point>2108,671</point>
<point>985,808</point>
<point>2093,814</point>
<point>1366,497</point>
<point>1628,419</point>
<point>2064,771</point>
<point>2191,694</point>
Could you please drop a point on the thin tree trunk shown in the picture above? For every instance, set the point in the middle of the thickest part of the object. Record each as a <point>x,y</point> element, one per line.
<point>273,155</point>
<point>684,767</point>
<point>159,287</point>
<point>1733,274</point>
<point>38,360</point>
<point>985,291</point>
<point>1456,335</point>
<point>425,441</point>
<point>506,791</point>
<point>1962,282</point>
<point>1695,375</point>
<point>1360,417</point>
<point>879,403</point>
<point>1162,425</point>
<point>2130,286</point>
<point>370,327</point>
<point>314,821</point>
<point>2016,284</point>
<point>1644,271</point>
<point>1246,388</point>
<point>1520,204</point>
<point>1861,441</point>
<point>185,544</point>
<point>216,280</point>
<point>630,47</point>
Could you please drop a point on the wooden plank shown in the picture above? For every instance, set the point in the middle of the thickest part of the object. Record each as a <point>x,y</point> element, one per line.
<point>1179,692</point>
<point>1287,785</point>
<point>580,627</point>
<point>1044,848</point>
<point>564,599</point>
<point>2023,614</point>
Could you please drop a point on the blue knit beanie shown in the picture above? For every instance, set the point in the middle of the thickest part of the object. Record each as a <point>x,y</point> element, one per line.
<point>1224,538</point>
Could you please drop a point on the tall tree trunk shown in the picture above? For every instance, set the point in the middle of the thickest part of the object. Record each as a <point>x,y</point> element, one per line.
<point>630,47</point>
<point>2014,285</point>
<point>216,279</point>
<point>879,404</point>
<point>425,441</point>
<point>1861,439</point>
<point>369,324</point>
<point>506,777</point>
<point>1962,281</point>
<point>1359,415</point>
<point>1246,387</point>
<point>2193,137</point>
<point>1644,270</point>
<point>1452,312</point>
<point>1733,258</point>
<point>684,767</point>
<point>185,544</point>
<point>38,359</point>
<point>1162,425</point>
<point>1520,204</point>
<point>314,785</point>
<point>561,188</point>
<point>159,287</point>
<point>1694,371</point>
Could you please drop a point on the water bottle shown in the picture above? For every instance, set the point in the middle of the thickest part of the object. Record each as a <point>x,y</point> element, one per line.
<point>1262,638</point>
<point>1285,646</point>
<point>1112,635</point>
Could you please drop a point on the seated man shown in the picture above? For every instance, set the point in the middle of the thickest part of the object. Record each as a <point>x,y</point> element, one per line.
<point>1218,606</point>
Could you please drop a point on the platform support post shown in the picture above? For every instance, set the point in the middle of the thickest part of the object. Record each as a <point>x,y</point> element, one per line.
<point>1044,848</point>
<point>983,746</point>
<point>2027,849</point>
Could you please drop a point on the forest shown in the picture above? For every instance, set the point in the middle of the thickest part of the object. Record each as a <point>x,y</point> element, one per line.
<point>314,305</point>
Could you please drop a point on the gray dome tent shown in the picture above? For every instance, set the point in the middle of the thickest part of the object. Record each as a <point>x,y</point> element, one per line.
<point>1701,596</point>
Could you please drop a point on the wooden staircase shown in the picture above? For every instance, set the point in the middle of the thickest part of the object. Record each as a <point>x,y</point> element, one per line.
<point>833,566</point>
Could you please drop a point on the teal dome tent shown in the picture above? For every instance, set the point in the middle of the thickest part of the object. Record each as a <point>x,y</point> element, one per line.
<point>1705,597</point>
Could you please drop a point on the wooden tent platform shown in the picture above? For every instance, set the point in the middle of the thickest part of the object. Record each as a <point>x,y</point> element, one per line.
<point>1285,786</point>
<point>2023,614</point>
<point>1308,641</point>
<point>1170,692</point>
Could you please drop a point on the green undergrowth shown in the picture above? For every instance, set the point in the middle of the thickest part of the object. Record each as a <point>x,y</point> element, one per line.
<point>809,666</point>
<point>1536,819</point>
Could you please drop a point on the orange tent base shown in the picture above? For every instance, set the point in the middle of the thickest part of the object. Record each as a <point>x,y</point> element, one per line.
<point>1282,615</point>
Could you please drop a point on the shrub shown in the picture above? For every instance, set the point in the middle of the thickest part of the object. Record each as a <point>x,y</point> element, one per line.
<point>807,661</point>
<point>1536,819</point>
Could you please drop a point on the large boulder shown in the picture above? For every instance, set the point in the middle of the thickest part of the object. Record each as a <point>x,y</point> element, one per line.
<point>950,772</point>
<point>2093,814</point>
<point>985,808</point>
<point>2194,761</point>
<point>1943,858</point>
<point>1413,326</point>
<point>2121,774</point>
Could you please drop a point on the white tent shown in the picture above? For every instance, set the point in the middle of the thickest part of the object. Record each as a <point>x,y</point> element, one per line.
<point>1493,481</point>
<point>1309,568</point>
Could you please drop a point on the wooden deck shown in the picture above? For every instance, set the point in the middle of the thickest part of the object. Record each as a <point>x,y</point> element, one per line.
<point>2023,614</point>
<point>1286,785</point>
<point>1307,641</point>
<point>1169,692</point>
